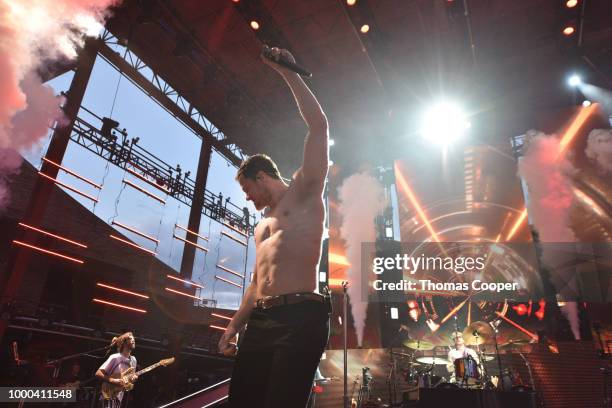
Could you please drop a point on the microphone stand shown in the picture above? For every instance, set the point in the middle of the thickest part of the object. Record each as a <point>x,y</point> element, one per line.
<point>58,361</point>
<point>499,363</point>
<point>345,397</point>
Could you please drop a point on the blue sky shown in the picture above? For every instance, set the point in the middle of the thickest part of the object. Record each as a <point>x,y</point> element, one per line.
<point>169,140</point>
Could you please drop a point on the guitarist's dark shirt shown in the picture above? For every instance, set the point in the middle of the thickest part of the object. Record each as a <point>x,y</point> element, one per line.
<point>116,364</point>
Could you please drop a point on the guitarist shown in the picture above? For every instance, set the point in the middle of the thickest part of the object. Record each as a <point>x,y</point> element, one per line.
<point>116,364</point>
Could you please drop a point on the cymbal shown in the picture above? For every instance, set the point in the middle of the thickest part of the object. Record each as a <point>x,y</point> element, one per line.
<point>432,360</point>
<point>515,343</point>
<point>418,344</point>
<point>484,334</point>
<point>401,355</point>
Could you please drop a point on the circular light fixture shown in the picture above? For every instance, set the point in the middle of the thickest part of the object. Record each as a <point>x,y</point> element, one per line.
<point>586,103</point>
<point>574,80</point>
<point>444,123</point>
<point>351,2</point>
<point>364,28</point>
<point>571,3</point>
<point>569,30</point>
<point>254,25</point>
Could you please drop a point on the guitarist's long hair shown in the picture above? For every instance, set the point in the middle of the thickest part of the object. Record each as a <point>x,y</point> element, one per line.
<point>121,340</point>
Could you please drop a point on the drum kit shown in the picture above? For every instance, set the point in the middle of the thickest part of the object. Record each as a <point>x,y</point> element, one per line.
<point>470,371</point>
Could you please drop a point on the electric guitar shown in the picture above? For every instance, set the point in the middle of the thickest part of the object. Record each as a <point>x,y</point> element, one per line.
<point>110,391</point>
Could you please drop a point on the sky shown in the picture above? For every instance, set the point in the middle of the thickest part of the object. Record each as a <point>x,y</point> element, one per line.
<point>172,142</point>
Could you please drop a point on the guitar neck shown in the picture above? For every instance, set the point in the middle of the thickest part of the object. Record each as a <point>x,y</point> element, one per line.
<point>149,368</point>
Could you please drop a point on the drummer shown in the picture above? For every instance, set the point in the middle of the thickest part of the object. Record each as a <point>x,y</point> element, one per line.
<point>459,351</point>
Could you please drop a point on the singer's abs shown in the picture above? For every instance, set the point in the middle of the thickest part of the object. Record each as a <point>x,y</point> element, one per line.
<point>288,245</point>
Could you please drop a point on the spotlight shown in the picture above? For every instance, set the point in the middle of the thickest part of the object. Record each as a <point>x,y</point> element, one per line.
<point>574,80</point>
<point>571,3</point>
<point>254,25</point>
<point>444,123</point>
<point>331,142</point>
<point>364,28</point>
<point>569,30</point>
<point>351,2</point>
<point>586,103</point>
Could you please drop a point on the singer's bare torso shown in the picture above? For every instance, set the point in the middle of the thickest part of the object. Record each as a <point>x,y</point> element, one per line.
<point>288,244</point>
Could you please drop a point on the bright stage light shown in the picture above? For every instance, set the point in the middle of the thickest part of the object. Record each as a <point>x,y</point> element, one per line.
<point>444,123</point>
<point>364,28</point>
<point>254,25</point>
<point>331,142</point>
<point>586,103</point>
<point>569,30</point>
<point>351,2</point>
<point>571,3</point>
<point>574,80</point>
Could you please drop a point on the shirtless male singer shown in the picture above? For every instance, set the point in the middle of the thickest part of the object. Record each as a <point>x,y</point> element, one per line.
<point>287,321</point>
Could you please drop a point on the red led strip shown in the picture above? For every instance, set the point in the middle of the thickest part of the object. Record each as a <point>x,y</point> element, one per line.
<point>178,292</point>
<point>122,290</point>
<point>99,187</point>
<point>142,190</point>
<point>142,234</point>
<point>228,281</point>
<point>146,180</point>
<point>46,251</point>
<point>235,229</point>
<point>190,243</point>
<point>94,199</point>
<point>221,316</point>
<point>131,244</point>
<point>234,238</point>
<point>53,235</point>
<point>230,271</point>
<point>212,326</point>
<point>119,305</point>
<point>185,281</point>
<point>190,231</point>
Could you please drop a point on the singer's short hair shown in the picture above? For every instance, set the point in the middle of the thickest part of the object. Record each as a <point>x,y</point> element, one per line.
<point>256,163</point>
<point>122,339</point>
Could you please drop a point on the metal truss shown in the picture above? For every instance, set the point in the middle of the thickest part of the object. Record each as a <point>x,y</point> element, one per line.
<point>518,143</point>
<point>173,95</point>
<point>115,146</point>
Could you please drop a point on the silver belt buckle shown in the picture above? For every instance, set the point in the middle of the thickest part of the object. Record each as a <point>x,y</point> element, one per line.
<point>263,303</point>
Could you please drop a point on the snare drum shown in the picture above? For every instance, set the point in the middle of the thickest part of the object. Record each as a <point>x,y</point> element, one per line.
<point>466,371</point>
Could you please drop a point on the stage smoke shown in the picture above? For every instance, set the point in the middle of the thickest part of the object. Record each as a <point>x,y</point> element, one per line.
<point>33,31</point>
<point>550,200</point>
<point>361,200</point>
<point>599,149</point>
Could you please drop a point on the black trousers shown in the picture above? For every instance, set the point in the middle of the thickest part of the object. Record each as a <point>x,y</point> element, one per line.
<point>279,355</point>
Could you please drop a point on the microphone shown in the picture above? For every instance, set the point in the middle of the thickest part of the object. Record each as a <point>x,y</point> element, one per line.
<point>284,62</point>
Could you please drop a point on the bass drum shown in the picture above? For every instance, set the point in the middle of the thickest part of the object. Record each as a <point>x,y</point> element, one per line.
<point>466,371</point>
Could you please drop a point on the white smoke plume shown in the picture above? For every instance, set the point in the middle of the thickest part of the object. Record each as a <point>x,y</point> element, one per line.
<point>33,31</point>
<point>549,205</point>
<point>361,200</point>
<point>599,149</point>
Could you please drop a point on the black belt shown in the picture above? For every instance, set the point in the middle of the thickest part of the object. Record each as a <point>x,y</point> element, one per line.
<point>289,299</point>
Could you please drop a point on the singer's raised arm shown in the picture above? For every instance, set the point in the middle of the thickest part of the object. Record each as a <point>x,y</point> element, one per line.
<point>312,174</point>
